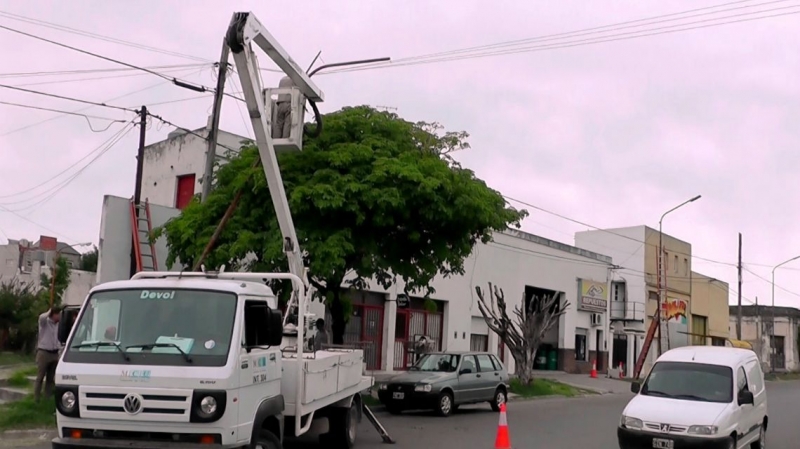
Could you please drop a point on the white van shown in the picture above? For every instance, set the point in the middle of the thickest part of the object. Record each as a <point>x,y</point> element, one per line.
<point>698,396</point>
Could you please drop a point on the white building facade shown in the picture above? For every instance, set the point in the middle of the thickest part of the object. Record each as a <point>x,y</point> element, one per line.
<point>386,323</point>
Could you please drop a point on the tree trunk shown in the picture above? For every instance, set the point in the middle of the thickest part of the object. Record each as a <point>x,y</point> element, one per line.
<point>523,361</point>
<point>338,323</point>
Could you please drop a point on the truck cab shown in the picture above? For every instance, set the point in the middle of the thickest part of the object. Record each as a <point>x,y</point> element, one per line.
<point>172,361</point>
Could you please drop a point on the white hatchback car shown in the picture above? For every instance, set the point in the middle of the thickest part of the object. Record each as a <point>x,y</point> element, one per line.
<point>698,397</point>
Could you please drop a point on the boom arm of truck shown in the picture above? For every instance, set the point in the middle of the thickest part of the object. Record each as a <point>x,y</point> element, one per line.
<point>244,31</point>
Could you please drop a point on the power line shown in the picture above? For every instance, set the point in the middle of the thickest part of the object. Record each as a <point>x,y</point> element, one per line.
<point>56,26</point>
<point>179,100</point>
<point>59,111</point>
<point>53,191</point>
<point>90,71</point>
<point>579,43</point>
<point>596,30</point>
<point>94,78</point>
<point>35,223</point>
<point>22,192</point>
<point>61,97</point>
<point>770,282</point>
<point>176,81</point>
<point>189,131</point>
<point>22,128</point>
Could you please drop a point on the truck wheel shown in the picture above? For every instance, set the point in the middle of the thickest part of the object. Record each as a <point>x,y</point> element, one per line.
<point>267,440</point>
<point>342,427</point>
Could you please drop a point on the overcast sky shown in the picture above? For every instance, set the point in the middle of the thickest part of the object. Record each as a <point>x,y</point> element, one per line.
<point>611,134</point>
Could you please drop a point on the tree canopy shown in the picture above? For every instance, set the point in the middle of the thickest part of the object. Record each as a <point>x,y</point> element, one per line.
<point>373,197</point>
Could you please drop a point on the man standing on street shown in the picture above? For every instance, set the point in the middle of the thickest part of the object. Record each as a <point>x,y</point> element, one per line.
<point>47,352</point>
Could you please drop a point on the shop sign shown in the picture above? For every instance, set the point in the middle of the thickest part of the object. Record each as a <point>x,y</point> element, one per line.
<point>592,296</point>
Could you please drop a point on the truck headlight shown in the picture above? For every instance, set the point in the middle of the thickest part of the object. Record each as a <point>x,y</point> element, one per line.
<point>208,405</point>
<point>68,401</point>
<point>423,387</point>
<point>631,423</point>
<point>703,430</point>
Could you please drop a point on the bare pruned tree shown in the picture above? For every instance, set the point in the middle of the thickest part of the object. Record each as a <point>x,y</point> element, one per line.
<point>523,331</point>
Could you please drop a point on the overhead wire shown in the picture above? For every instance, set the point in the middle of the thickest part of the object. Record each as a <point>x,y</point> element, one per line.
<point>176,81</point>
<point>92,71</point>
<point>61,97</point>
<point>64,28</point>
<point>189,131</point>
<point>577,43</point>
<point>152,86</point>
<point>96,78</point>
<point>53,191</point>
<point>47,181</point>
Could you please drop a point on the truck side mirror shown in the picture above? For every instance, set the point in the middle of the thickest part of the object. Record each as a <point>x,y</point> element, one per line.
<point>66,321</point>
<point>635,387</point>
<point>274,327</point>
<point>262,326</point>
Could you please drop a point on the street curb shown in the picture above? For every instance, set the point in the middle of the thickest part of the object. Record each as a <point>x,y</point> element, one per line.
<point>42,434</point>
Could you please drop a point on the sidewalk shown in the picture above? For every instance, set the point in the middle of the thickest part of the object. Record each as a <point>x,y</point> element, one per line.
<point>602,384</point>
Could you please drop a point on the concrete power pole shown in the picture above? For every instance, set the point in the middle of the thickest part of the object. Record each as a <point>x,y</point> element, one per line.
<point>211,151</point>
<point>739,306</point>
<point>137,191</point>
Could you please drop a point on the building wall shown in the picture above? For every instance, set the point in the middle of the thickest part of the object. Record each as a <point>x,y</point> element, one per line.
<point>179,155</point>
<point>114,259</point>
<point>756,331</point>
<point>710,300</point>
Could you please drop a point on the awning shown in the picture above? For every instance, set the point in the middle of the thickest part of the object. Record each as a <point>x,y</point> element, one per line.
<point>740,344</point>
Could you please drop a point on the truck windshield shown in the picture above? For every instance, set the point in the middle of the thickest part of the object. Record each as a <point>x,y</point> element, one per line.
<point>690,381</point>
<point>154,327</point>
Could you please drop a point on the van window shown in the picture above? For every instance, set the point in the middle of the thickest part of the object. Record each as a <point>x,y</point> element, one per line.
<point>690,381</point>
<point>741,381</point>
<point>755,376</point>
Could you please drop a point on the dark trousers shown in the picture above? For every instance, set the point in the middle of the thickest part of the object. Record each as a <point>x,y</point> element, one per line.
<point>46,362</point>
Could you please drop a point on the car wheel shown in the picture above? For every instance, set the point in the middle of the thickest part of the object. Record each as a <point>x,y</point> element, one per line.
<point>445,404</point>
<point>500,397</point>
<point>761,443</point>
<point>267,440</point>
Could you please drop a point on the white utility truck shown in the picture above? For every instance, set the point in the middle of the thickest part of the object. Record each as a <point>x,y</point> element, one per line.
<point>205,359</point>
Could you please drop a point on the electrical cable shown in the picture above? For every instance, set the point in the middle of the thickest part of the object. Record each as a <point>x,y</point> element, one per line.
<point>152,86</point>
<point>175,81</point>
<point>61,97</point>
<point>59,111</point>
<point>597,29</point>
<point>579,43</point>
<point>768,281</point>
<point>67,29</point>
<point>53,191</point>
<point>3,209</point>
<point>22,192</point>
<point>91,71</point>
<point>95,78</point>
<point>188,131</point>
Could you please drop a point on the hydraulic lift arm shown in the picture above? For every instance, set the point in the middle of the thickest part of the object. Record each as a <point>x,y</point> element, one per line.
<point>244,31</point>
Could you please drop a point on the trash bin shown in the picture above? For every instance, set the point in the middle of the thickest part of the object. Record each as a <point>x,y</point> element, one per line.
<point>540,362</point>
<point>552,360</point>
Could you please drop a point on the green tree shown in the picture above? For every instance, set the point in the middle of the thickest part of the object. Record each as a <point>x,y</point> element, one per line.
<point>89,260</point>
<point>20,305</point>
<point>373,197</point>
<point>62,281</point>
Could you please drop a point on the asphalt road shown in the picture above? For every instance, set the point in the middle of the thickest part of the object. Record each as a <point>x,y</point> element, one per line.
<point>587,423</point>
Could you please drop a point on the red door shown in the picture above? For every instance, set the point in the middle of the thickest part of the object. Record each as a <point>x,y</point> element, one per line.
<point>185,191</point>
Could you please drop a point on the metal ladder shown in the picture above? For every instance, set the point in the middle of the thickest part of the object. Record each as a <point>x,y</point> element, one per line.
<point>144,250</point>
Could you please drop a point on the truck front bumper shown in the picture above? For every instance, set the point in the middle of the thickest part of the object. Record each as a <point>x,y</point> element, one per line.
<point>73,443</point>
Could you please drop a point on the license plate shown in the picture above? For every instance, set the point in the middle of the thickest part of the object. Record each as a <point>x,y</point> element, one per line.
<point>402,395</point>
<point>662,443</point>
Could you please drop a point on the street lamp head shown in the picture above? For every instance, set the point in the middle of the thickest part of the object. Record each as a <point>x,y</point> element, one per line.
<point>695,198</point>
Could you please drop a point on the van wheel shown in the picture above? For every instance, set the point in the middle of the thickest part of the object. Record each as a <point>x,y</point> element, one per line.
<point>731,443</point>
<point>267,440</point>
<point>761,443</point>
<point>445,404</point>
<point>342,427</point>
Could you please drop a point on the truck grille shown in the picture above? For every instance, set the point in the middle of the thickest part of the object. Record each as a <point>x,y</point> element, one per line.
<point>143,404</point>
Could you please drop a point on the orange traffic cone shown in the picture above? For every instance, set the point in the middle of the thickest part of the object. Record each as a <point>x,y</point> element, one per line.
<point>502,441</point>
<point>593,374</point>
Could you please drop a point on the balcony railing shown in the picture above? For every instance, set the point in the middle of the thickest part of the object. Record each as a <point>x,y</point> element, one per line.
<point>627,311</point>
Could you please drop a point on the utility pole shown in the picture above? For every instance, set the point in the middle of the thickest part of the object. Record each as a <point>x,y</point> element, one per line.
<point>739,309</point>
<point>211,152</point>
<point>137,191</point>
